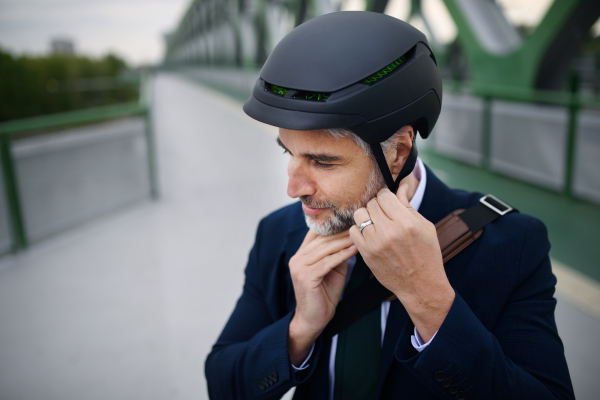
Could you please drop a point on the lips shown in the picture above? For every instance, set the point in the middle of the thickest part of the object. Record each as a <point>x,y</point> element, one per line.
<point>311,210</point>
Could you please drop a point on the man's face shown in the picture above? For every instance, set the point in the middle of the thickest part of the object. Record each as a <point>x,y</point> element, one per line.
<point>332,177</point>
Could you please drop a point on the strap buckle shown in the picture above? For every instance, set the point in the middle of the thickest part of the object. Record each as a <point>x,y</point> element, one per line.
<point>495,204</point>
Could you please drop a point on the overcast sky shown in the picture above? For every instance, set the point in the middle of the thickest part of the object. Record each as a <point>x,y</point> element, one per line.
<point>132,29</point>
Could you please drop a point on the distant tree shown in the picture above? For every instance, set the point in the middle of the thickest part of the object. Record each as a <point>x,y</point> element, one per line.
<point>31,86</point>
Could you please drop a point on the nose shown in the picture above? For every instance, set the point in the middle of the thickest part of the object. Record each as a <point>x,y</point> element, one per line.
<point>299,180</point>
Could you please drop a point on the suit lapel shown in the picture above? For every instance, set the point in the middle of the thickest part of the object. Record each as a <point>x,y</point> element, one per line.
<point>437,200</point>
<point>321,388</point>
<point>294,240</point>
<point>397,323</point>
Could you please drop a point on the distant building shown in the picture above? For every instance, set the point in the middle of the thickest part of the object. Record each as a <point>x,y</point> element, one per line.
<point>63,46</point>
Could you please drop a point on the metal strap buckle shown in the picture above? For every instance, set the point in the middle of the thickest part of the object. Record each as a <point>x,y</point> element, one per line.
<point>494,207</point>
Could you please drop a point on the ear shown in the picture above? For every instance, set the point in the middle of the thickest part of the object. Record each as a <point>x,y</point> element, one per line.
<point>397,158</point>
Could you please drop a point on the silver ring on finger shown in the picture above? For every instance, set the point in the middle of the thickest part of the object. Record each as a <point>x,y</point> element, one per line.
<point>364,225</point>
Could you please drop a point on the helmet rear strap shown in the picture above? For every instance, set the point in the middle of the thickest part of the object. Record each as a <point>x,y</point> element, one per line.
<point>409,165</point>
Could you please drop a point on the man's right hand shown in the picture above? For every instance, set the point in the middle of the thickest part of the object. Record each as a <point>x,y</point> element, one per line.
<point>318,273</point>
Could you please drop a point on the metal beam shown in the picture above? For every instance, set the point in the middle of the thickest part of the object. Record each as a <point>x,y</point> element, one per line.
<point>503,61</point>
<point>552,68</point>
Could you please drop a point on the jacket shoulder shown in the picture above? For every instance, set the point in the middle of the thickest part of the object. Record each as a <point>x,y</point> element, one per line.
<point>283,220</point>
<point>509,262</point>
<point>278,236</point>
<point>274,231</point>
<point>507,244</point>
<point>516,224</point>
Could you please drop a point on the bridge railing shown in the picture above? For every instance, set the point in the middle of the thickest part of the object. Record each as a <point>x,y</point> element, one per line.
<point>63,169</point>
<point>549,139</point>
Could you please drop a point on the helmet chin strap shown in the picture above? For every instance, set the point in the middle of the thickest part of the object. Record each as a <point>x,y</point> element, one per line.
<point>409,165</point>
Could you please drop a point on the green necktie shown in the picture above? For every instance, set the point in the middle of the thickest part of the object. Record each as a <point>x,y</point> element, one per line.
<point>358,348</point>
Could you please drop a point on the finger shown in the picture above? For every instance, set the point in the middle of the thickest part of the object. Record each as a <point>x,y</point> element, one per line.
<point>377,215</point>
<point>361,215</point>
<point>402,196</point>
<point>397,206</point>
<point>342,268</point>
<point>310,236</point>
<point>357,238</point>
<point>319,239</point>
<point>390,204</point>
<point>334,278</point>
<point>326,249</point>
<point>332,261</point>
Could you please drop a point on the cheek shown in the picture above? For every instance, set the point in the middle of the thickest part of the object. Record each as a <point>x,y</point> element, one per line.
<point>343,187</point>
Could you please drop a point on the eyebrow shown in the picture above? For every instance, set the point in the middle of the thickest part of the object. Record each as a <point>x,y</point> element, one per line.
<point>280,143</point>
<point>320,157</point>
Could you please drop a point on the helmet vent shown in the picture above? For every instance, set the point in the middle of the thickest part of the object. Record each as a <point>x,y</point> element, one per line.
<point>297,94</point>
<point>279,90</point>
<point>385,71</point>
<point>312,96</point>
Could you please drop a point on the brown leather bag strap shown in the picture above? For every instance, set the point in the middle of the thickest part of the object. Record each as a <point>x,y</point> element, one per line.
<point>453,236</point>
<point>455,233</point>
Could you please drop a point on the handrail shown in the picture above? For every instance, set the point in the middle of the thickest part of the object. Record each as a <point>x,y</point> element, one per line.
<point>572,101</point>
<point>64,119</point>
<point>528,95</point>
<point>72,117</point>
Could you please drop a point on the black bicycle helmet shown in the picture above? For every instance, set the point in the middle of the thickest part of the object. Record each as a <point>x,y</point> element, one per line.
<point>364,71</point>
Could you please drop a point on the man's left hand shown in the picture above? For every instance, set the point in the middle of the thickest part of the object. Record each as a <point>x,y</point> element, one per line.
<point>402,250</point>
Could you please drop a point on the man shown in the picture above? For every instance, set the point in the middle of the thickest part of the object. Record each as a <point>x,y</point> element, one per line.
<point>350,91</point>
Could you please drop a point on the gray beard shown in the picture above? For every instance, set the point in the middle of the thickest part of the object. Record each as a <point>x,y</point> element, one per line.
<point>343,218</point>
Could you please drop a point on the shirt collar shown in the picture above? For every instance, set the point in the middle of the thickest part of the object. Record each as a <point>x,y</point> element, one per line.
<point>421,174</point>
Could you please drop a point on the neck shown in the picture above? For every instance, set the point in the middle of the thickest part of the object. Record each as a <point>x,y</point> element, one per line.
<point>413,183</point>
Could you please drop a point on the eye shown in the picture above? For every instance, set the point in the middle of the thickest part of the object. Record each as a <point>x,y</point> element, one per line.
<point>321,165</point>
<point>286,151</point>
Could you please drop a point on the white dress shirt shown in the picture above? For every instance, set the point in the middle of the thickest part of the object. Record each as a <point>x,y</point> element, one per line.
<point>420,173</point>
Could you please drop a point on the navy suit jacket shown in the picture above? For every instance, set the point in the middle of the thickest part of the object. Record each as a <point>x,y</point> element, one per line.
<point>499,339</point>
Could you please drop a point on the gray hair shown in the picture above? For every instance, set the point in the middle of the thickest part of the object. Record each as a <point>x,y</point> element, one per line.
<point>386,146</point>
